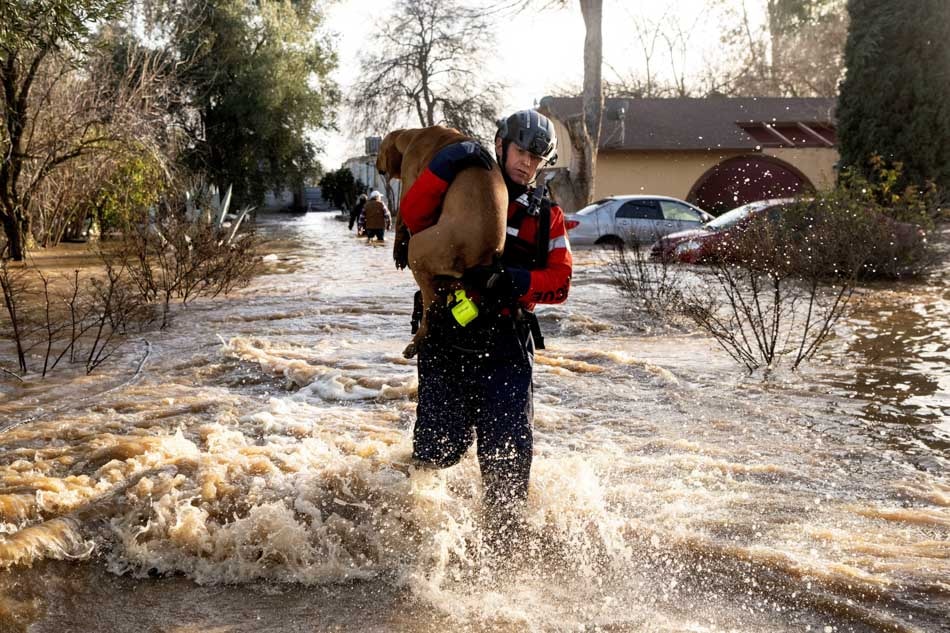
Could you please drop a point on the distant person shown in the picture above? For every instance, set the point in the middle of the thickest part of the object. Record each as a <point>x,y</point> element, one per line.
<point>357,209</point>
<point>375,217</point>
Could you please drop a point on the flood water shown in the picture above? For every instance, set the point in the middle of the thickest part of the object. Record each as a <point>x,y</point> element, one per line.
<point>251,476</point>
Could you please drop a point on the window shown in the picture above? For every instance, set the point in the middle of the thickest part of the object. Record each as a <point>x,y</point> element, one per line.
<point>791,134</point>
<point>594,206</point>
<point>640,210</point>
<point>731,218</point>
<point>679,211</point>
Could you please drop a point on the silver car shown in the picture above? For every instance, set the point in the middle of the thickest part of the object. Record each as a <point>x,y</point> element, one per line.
<point>640,219</point>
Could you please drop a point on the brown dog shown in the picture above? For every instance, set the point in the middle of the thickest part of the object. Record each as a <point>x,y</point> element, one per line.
<point>471,228</point>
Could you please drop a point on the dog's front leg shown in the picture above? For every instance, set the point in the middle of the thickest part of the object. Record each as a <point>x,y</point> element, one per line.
<point>401,243</point>
<point>427,285</point>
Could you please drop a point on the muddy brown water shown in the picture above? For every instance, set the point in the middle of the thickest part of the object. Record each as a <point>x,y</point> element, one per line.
<point>251,477</point>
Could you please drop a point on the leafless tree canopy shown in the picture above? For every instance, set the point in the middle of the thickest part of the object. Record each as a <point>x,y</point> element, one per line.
<point>72,120</point>
<point>89,124</point>
<point>663,47</point>
<point>797,53</point>
<point>426,64</point>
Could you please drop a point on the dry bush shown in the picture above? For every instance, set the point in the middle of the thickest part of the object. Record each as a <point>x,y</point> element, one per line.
<point>183,260</point>
<point>651,288</point>
<point>85,319</point>
<point>779,287</point>
<point>76,318</point>
<point>758,316</point>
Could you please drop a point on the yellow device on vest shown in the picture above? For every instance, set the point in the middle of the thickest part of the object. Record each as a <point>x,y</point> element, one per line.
<point>464,309</point>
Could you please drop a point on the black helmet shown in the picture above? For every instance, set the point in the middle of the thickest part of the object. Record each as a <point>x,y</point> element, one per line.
<point>532,132</point>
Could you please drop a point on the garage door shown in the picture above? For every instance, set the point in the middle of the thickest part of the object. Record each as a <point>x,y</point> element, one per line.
<point>737,181</point>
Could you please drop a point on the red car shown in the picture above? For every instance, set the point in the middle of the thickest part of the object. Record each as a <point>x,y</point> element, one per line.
<point>702,244</point>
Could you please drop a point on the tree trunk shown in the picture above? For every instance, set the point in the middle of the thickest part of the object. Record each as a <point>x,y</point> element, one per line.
<point>17,228</point>
<point>778,31</point>
<point>593,95</point>
<point>574,189</point>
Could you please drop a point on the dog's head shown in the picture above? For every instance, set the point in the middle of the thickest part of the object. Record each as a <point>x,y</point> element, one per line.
<point>403,154</point>
<point>389,159</point>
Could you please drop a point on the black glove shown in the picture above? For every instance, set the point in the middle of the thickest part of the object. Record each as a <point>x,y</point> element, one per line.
<point>498,280</point>
<point>449,161</point>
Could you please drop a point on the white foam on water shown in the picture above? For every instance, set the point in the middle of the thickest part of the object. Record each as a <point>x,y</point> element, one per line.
<point>344,381</point>
<point>667,494</point>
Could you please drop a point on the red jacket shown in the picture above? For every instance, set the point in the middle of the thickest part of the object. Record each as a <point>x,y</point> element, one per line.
<point>551,283</point>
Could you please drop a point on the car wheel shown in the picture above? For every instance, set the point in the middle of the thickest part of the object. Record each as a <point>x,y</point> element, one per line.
<point>611,241</point>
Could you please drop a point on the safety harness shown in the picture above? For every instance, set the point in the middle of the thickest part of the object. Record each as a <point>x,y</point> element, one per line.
<point>523,253</point>
<point>533,254</point>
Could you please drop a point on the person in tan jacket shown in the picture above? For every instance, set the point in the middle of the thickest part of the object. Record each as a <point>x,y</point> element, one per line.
<point>375,217</point>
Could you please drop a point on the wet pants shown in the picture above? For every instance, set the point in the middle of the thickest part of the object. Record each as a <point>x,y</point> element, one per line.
<point>478,386</point>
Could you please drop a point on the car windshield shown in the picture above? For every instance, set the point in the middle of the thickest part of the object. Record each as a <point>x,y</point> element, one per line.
<point>592,207</point>
<point>731,218</point>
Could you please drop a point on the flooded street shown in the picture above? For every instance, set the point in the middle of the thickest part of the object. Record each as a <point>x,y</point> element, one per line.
<point>246,471</point>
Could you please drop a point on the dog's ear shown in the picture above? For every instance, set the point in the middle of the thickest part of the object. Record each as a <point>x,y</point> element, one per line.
<point>389,160</point>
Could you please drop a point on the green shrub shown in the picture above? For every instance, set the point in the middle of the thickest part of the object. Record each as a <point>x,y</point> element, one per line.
<point>136,184</point>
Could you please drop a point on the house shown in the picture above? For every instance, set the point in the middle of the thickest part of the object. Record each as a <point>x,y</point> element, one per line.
<point>715,152</point>
<point>306,198</point>
<point>363,169</point>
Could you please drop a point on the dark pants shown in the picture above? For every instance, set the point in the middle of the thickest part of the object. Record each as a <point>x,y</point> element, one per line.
<point>476,384</point>
<point>377,233</point>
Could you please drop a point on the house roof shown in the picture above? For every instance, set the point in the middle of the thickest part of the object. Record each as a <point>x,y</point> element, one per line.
<point>707,123</point>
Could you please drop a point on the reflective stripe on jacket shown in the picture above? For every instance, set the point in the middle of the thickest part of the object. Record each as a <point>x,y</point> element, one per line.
<point>552,282</point>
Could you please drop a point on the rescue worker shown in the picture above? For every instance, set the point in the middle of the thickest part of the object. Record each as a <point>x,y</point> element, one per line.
<point>375,217</point>
<point>475,381</point>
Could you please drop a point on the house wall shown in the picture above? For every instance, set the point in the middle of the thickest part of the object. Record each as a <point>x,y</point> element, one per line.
<point>363,169</point>
<point>653,173</point>
<point>675,173</point>
<point>816,163</point>
<point>564,152</point>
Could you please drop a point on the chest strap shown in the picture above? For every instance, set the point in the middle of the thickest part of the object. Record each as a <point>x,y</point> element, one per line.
<point>542,238</point>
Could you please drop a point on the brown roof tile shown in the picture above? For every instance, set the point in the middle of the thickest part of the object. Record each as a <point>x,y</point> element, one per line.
<point>691,124</point>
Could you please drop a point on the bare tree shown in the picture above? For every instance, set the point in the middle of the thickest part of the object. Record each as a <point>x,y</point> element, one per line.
<point>62,105</point>
<point>645,83</point>
<point>797,52</point>
<point>661,51</point>
<point>425,64</point>
<point>574,187</point>
<point>33,34</point>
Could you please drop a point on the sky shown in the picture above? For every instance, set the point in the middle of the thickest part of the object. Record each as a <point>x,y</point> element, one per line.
<point>536,52</point>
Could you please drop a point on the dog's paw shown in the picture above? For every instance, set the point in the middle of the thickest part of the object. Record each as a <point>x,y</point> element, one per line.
<point>410,350</point>
<point>401,253</point>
